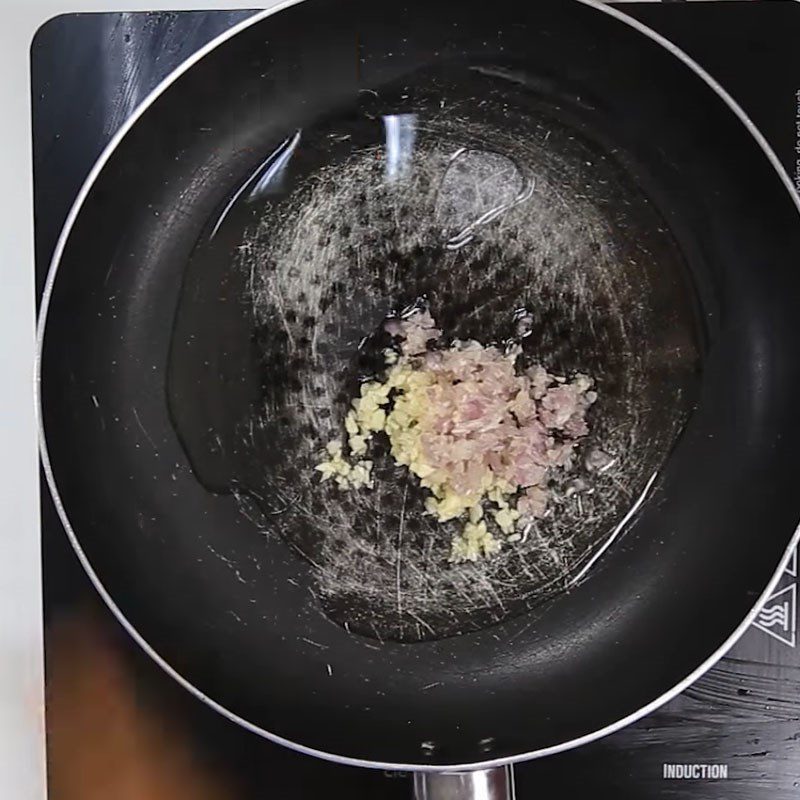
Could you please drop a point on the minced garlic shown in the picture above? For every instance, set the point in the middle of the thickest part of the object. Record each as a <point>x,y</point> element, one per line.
<point>335,466</point>
<point>506,519</point>
<point>474,542</point>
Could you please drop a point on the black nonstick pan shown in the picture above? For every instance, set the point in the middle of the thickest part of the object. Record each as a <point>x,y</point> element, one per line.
<point>207,319</point>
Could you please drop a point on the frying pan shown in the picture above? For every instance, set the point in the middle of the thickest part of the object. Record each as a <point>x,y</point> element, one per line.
<point>205,320</point>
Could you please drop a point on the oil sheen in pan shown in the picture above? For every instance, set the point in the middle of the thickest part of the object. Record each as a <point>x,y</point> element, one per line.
<point>482,206</point>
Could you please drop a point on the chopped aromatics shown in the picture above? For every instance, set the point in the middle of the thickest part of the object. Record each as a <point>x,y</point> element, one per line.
<point>469,426</point>
<point>474,542</point>
<point>506,519</point>
<point>532,503</point>
<point>346,475</point>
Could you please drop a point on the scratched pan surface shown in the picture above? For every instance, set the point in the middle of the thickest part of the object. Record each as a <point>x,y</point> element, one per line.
<point>328,165</point>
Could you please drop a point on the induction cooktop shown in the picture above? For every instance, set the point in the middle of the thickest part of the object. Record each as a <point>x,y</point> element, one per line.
<point>736,732</point>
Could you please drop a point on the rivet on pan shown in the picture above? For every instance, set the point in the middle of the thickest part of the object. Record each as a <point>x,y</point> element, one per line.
<point>428,748</point>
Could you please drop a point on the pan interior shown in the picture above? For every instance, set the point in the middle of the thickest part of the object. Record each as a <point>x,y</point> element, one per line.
<point>483,193</point>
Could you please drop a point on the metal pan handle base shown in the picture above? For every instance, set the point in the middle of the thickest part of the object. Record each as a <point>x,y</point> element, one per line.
<point>482,784</point>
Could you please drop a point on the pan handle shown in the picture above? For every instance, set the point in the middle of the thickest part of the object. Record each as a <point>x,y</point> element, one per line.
<point>482,784</point>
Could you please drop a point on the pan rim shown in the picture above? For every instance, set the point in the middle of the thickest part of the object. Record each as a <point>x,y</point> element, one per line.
<point>55,261</point>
